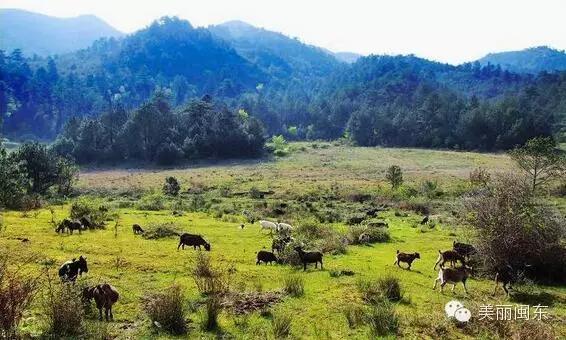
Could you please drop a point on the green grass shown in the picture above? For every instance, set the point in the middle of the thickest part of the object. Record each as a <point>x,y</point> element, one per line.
<point>136,266</point>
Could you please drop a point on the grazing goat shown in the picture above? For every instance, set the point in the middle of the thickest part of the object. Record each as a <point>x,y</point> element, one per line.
<point>407,258</point>
<point>268,225</point>
<point>104,296</point>
<point>284,227</point>
<point>137,229</point>
<point>309,257</point>
<point>85,221</point>
<point>70,270</point>
<point>193,240</point>
<point>449,256</point>
<point>69,225</point>
<point>453,276</point>
<point>463,249</point>
<point>265,257</point>
<point>505,275</point>
<point>425,220</point>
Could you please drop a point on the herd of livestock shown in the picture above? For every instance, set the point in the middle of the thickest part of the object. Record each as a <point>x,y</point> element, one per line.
<point>106,295</point>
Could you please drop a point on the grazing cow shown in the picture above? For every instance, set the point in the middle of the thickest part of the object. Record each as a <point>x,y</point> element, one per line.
<point>464,249</point>
<point>268,225</point>
<point>70,270</point>
<point>407,258</point>
<point>453,276</point>
<point>449,256</point>
<point>309,257</point>
<point>265,257</point>
<point>104,296</point>
<point>193,240</point>
<point>137,229</point>
<point>425,219</point>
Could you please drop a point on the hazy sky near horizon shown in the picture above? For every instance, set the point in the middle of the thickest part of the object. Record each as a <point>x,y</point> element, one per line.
<point>452,31</point>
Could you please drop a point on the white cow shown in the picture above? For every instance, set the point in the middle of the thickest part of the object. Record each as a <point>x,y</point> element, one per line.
<point>268,225</point>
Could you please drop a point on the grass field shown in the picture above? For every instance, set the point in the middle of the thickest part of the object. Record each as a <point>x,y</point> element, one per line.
<point>135,265</point>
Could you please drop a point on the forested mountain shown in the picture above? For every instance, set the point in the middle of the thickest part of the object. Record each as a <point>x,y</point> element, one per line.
<point>43,35</point>
<point>294,89</point>
<point>531,60</point>
<point>277,54</point>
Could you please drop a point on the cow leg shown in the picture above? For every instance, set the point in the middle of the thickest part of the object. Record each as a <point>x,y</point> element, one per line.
<point>257,262</point>
<point>100,313</point>
<point>304,266</point>
<point>320,263</point>
<point>179,245</point>
<point>465,288</point>
<point>435,283</point>
<point>453,287</point>
<point>442,284</point>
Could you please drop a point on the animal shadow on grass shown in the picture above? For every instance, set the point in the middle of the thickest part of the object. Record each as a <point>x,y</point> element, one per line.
<point>534,298</point>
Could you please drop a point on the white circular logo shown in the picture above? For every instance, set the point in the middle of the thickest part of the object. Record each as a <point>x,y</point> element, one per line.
<point>455,309</point>
<point>463,315</point>
<point>451,307</point>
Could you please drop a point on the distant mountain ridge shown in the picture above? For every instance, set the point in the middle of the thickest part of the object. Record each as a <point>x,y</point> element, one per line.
<point>44,35</point>
<point>531,60</point>
<point>276,53</point>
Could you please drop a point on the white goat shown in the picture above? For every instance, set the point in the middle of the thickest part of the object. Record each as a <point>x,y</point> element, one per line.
<point>284,227</point>
<point>268,225</point>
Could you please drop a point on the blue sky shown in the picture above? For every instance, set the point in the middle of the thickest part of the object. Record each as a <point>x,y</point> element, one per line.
<point>451,31</point>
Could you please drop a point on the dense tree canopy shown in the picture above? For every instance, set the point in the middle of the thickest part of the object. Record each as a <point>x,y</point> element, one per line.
<point>99,98</point>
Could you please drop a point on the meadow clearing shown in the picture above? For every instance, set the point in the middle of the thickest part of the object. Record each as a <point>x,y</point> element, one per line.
<point>339,174</point>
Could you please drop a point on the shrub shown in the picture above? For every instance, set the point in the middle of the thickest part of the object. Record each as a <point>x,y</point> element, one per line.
<point>16,294</point>
<point>212,309</point>
<point>208,279</point>
<point>390,288</point>
<point>154,202</point>
<point>382,319</point>
<point>166,310</point>
<point>386,288</point>
<point>479,177</point>
<point>157,231</point>
<point>394,176</point>
<point>94,211</point>
<point>374,234</point>
<point>430,189</point>
<point>294,285</point>
<point>63,310</point>
<point>171,186</point>
<point>354,314</point>
<point>281,324</point>
<point>514,229</point>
